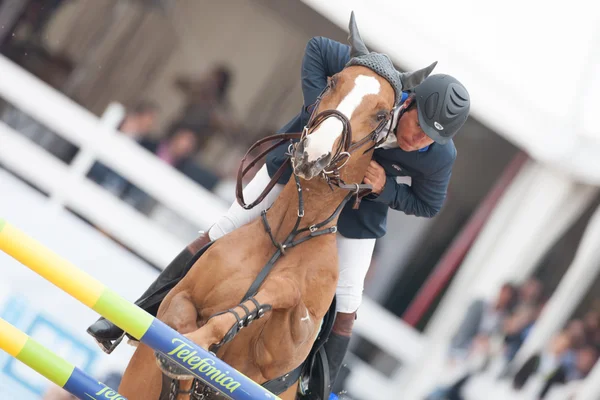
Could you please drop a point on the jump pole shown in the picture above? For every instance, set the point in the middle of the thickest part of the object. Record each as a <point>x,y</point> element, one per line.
<point>48,364</point>
<point>129,317</point>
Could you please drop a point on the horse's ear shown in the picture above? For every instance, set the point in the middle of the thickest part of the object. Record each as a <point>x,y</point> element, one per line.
<point>357,46</point>
<point>411,79</point>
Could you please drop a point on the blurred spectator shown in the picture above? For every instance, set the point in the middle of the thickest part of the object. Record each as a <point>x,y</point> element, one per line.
<point>544,363</point>
<point>137,125</point>
<point>519,324</point>
<point>141,121</point>
<point>482,320</point>
<point>473,342</point>
<point>586,358</point>
<point>555,372</point>
<point>207,110</point>
<point>576,330</point>
<point>591,322</point>
<point>177,150</point>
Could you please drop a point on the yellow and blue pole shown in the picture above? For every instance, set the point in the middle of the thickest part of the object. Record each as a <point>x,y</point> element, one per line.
<point>127,316</point>
<point>17,344</point>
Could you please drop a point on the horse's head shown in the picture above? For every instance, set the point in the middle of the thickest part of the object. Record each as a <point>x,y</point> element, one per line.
<point>353,110</point>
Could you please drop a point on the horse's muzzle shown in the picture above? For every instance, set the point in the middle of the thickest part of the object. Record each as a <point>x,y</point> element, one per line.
<point>308,169</point>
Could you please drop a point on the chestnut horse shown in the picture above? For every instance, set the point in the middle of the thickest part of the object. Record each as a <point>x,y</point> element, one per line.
<point>287,306</point>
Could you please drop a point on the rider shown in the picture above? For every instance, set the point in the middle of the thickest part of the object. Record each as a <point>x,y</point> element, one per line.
<point>419,148</point>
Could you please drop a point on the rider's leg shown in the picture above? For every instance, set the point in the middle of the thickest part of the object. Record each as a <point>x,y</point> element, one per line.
<point>103,329</point>
<point>235,217</point>
<point>354,257</point>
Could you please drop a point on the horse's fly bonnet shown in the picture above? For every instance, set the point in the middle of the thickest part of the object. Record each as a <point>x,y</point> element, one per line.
<point>382,64</point>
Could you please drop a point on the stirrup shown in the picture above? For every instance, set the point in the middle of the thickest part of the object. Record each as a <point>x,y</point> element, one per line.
<point>108,345</point>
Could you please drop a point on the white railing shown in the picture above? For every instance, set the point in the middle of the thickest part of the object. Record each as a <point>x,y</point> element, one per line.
<point>87,199</point>
<point>68,186</point>
<point>82,128</point>
<point>393,336</point>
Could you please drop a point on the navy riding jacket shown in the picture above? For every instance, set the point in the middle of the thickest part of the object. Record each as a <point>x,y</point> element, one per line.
<point>430,170</point>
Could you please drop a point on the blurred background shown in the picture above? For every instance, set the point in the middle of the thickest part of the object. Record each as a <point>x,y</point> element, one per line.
<point>123,123</point>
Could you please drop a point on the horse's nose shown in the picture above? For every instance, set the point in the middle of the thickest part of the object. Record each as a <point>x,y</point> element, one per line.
<point>322,162</point>
<point>303,170</point>
<point>310,169</point>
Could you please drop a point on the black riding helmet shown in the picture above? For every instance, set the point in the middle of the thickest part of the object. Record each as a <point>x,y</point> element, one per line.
<point>443,105</point>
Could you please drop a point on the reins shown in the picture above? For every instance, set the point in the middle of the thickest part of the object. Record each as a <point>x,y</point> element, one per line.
<point>331,172</point>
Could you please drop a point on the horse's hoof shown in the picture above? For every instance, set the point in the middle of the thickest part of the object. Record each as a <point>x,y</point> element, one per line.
<point>172,369</point>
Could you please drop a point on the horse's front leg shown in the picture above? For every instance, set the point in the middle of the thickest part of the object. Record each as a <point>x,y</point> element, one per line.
<point>180,313</point>
<point>276,294</point>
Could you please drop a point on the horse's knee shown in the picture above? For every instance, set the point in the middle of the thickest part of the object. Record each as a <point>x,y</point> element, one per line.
<point>344,322</point>
<point>180,314</point>
<point>183,325</point>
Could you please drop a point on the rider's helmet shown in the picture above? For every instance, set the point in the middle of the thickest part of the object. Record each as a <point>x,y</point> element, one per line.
<point>443,106</point>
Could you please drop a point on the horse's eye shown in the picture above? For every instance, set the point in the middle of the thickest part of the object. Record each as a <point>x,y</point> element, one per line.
<point>332,82</point>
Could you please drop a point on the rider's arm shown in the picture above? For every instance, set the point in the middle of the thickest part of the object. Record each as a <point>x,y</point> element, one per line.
<point>424,198</point>
<point>322,58</point>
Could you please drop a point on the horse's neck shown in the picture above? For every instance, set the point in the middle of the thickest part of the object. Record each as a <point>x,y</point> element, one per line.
<point>320,202</point>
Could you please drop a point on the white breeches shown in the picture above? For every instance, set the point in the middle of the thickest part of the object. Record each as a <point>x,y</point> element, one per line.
<point>354,254</point>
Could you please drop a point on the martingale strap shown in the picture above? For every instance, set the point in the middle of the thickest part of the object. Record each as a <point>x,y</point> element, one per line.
<point>315,230</point>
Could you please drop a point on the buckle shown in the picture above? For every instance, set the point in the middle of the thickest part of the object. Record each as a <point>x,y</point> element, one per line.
<point>304,133</point>
<point>313,228</point>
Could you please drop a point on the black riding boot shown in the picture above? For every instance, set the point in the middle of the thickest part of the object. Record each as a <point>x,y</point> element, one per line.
<point>335,348</point>
<point>109,335</point>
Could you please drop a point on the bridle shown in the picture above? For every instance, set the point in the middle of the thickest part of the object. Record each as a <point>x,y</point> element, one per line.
<point>341,155</point>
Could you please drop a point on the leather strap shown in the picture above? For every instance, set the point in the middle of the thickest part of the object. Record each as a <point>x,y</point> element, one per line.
<point>242,171</point>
